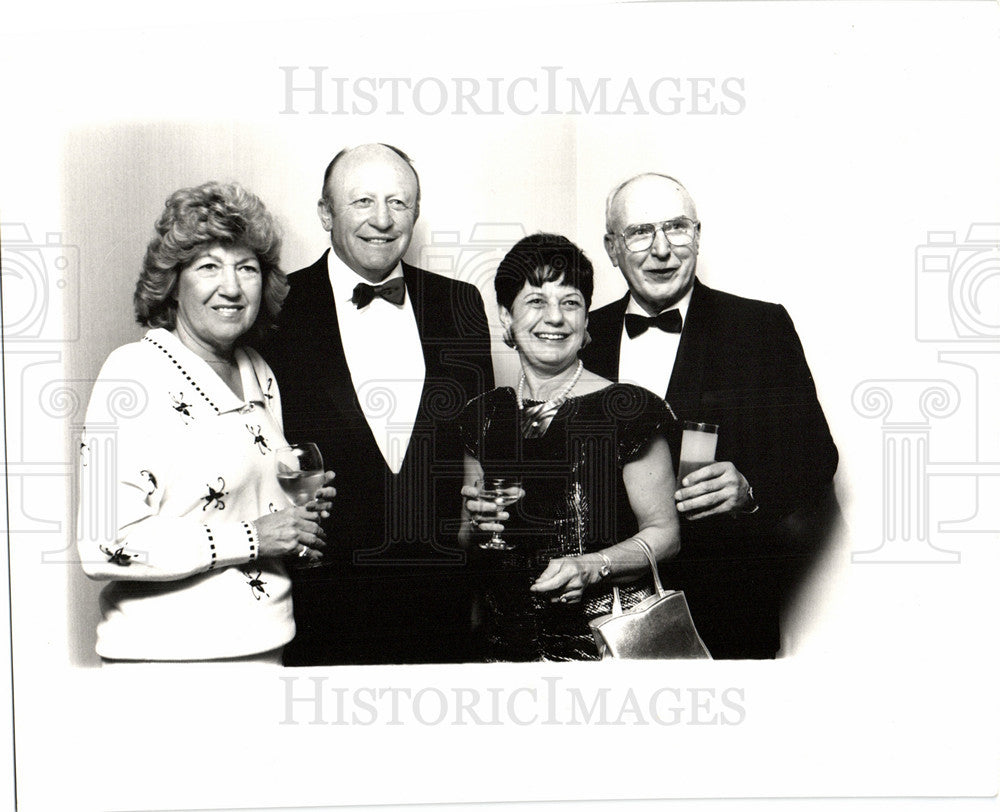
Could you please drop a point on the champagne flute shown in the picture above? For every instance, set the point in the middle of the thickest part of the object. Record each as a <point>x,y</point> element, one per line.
<point>502,491</point>
<point>300,475</point>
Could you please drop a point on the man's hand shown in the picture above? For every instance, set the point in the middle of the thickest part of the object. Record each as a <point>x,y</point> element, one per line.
<point>713,490</point>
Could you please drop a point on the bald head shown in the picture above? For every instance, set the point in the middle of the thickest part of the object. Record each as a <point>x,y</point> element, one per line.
<point>370,148</point>
<point>651,189</point>
<point>659,271</point>
<point>369,206</point>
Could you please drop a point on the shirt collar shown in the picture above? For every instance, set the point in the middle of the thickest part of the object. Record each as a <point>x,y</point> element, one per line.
<point>194,368</point>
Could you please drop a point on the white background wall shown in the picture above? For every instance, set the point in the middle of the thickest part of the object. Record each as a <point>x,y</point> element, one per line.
<point>858,136</point>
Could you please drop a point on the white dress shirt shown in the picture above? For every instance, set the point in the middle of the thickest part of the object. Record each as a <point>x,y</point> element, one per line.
<point>648,359</point>
<point>383,351</point>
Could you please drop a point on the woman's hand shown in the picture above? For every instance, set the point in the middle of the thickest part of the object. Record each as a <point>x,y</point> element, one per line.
<point>565,579</point>
<point>322,503</point>
<point>484,513</point>
<point>294,530</point>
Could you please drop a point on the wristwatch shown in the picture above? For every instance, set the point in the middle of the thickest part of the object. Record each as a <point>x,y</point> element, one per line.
<point>605,570</point>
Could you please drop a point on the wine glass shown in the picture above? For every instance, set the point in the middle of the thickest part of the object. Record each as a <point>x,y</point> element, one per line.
<point>300,475</point>
<point>300,471</point>
<point>502,491</point>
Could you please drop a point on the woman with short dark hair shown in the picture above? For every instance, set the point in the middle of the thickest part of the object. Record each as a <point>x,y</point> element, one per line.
<point>592,460</point>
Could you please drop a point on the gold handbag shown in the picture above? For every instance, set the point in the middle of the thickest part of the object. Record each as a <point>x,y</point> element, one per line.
<point>659,627</point>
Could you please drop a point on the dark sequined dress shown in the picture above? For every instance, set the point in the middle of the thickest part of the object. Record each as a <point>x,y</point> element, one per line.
<point>575,503</point>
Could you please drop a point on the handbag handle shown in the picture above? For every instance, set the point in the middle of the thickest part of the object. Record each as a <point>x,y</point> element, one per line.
<point>652,564</point>
<point>616,604</point>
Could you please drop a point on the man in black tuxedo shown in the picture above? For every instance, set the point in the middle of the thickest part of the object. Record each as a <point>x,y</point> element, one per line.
<point>374,359</point>
<point>750,521</point>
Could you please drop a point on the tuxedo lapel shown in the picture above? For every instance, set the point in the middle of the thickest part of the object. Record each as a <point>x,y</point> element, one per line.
<point>605,327</point>
<point>323,341</point>
<point>686,379</point>
<point>415,290</point>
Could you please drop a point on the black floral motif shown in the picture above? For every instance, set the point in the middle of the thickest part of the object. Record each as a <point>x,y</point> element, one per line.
<point>258,438</point>
<point>256,584</point>
<point>267,389</point>
<point>119,556</point>
<point>151,479</point>
<point>182,408</point>
<point>214,497</point>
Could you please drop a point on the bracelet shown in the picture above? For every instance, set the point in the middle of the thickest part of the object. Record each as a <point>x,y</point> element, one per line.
<point>605,571</point>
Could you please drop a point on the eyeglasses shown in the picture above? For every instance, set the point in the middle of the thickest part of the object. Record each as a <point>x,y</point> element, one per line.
<point>677,232</point>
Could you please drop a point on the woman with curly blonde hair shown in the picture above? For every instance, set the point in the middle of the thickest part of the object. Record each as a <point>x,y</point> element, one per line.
<point>182,512</point>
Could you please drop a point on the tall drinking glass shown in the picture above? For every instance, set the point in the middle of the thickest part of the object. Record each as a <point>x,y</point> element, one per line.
<point>697,447</point>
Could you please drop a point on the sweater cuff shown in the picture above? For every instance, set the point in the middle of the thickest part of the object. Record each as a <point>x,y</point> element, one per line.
<point>231,544</point>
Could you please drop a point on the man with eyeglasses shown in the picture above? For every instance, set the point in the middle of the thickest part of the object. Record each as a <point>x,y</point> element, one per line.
<point>750,520</point>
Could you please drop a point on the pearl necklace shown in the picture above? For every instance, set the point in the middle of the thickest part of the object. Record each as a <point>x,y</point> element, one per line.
<point>551,403</point>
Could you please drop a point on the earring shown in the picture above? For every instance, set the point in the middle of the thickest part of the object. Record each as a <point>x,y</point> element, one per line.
<point>508,338</point>
<point>586,339</point>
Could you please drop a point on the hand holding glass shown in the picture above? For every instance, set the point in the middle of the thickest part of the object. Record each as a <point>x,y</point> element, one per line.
<point>300,474</point>
<point>502,492</point>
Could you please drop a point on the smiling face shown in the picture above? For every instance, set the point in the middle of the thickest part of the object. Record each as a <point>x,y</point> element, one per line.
<point>548,325</point>
<point>369,208</point>
<point>661,275</point>
<point>218,298</point>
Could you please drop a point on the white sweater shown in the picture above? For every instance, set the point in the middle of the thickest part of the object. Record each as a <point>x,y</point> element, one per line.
<point>174,467</point>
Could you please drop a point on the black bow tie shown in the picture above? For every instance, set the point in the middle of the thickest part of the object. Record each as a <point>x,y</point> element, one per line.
<point>669,321</point>
<point>392,291</point>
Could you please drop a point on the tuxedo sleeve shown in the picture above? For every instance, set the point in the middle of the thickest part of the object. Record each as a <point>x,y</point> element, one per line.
<point>795,458</point>
<point>475,331</point>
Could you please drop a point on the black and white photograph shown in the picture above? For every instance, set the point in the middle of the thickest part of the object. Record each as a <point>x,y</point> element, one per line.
<point>501,406</point>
